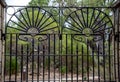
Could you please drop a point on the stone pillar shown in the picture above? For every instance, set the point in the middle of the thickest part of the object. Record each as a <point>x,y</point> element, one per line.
<point>117,38</point>
<point>115,42</point>
<point>2,22</point>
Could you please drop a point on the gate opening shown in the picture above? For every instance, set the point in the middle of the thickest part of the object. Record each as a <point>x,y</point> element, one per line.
<point>42,45</point>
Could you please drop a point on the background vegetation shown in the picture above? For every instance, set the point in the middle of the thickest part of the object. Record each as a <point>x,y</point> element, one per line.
<point>79,53</point>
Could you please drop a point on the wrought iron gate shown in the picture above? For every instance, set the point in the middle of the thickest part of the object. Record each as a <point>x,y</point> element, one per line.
<point>60,44</point>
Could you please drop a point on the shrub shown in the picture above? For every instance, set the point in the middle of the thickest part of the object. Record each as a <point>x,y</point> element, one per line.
<point>63,69</point>
<point>11,65</point>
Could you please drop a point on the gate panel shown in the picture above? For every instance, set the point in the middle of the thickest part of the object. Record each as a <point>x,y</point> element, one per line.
<point>43,45</point>
<point>91,62</point>
<point>46,57</point>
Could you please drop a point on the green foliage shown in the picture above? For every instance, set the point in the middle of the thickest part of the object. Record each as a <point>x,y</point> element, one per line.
<point>39,2</point>
<point>63,69</point>
<point>75,63</point>
<point>71,49</point>
<point>11,66</point>
<point>46,63</point>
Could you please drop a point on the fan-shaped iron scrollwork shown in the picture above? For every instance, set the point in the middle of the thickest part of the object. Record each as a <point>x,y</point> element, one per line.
<point>88,21</point>
<point>32,20</point>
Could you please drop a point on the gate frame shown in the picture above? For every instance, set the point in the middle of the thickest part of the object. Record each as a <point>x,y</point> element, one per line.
<point>116,37</point>
<point>117,6</point>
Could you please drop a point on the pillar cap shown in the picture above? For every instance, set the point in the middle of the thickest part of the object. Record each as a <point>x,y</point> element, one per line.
<point>117,4</point>
<point>3,3</point>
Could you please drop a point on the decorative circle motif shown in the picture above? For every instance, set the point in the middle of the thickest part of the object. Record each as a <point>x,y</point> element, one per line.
<point>89,21</point>
<point>10,10</point>
<point>87,31</point>
<point>32,20</point>
<point>33,30</point>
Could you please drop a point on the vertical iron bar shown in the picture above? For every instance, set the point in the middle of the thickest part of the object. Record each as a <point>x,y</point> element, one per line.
<point>16,51</point>
<point>54,55</point>
<point>104,57</point>
<point>71,58</point>
<point>93,62</point>
<point>82,64</point>
<point>59,21</point>
<point>88,61</point>
<point>49,58</point>
<point>43,63</point>
<point>5,48</point>
<point>66,56</point>
<point>109,53</point>
<point>27,61</point>
<point>114,44</point>
<point>32,59</point>
<point>98,63</point>
<point>61,55</point>
<point>59,59</point>
<point>39,55</point>
<point>10,57</point>
<point>77,60</point>
<point>21,62</point>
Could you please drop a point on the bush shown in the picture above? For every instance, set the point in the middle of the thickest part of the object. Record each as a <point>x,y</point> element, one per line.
<point>10,66</point>
<point>63,69</point>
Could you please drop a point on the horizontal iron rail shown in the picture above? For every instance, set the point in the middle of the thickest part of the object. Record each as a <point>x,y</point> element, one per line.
<point>61,55</point>
<point>56,6</point>
<point>50,34</point>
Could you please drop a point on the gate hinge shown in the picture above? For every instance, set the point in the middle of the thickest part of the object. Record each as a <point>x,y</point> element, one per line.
<point>3,37</point>
<point>117,36</point>
<point>60,36</point>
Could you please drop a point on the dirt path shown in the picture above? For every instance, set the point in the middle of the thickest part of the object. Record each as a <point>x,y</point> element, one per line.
<point>58,77</point>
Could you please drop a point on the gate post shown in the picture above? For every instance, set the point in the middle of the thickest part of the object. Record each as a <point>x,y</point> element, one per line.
<point>117,39</point>
<point>2,6</point>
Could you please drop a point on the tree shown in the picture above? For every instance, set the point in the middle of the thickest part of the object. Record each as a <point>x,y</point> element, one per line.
<point>41,21</point>
<point>39,2</point>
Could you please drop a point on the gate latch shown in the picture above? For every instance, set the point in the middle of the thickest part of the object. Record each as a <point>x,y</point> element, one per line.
<point>60,36</point>
<point>2,35</point>
<point>117,35</point>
